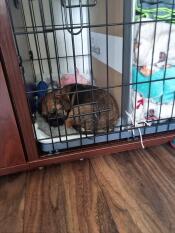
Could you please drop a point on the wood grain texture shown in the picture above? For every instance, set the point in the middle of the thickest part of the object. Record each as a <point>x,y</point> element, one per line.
<point>11,151</point>
<point>16,87</point>
<point>15,82</point>
<point>12,199</point>
<point>67,199</point>
<point>140,189</point>
<point>131,192</point>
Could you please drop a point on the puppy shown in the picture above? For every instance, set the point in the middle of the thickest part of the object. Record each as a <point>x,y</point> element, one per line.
<point>92,110</point>
<point>84,107</point>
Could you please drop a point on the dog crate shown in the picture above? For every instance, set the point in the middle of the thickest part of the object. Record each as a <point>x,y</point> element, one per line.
<point>125,48</point>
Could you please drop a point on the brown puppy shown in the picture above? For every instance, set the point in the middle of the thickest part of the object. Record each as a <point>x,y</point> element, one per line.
<point>92,111</point>
<point>89,109</point>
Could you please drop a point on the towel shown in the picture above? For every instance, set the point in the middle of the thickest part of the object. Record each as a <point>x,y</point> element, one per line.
<point>159,87</point>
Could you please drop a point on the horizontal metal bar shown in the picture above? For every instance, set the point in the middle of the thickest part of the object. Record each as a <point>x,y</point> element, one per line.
<point>110,87</point>
<point>84,26</point>
<point>54,58</point>
<point>63,3</point>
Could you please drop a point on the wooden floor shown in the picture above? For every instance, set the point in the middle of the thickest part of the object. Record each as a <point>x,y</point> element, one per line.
<point>131,192</point>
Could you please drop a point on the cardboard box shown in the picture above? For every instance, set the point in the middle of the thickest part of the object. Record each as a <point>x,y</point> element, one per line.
<point>115,43</point>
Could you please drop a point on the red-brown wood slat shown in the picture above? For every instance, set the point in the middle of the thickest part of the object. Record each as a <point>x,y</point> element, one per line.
<point>11,151</point>
<point>15,82</point>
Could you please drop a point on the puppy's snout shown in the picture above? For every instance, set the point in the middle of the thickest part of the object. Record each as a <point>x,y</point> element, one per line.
<point>57,118</point>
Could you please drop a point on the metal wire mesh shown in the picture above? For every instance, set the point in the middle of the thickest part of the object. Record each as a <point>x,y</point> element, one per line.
<point>55,38</point>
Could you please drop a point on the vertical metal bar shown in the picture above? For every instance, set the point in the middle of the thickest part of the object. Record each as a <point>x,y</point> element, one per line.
<point>166,60</point>
<point>65,45</point>
<point>107,68</point>
<point>28,41</point>
<point>74,60</point>
<point>48,54</point>
<point>82,45</point>
<point>91,67</point>
<point>57,59</point>
<point>137,63</point>
<point>46,40</point>
<point>50,129</point>
<point>83,52</point>
<point>152,60</point>
<point>126,61</point>
<point>55,39</point>
<point>56,51</point>
<point>37,45</point>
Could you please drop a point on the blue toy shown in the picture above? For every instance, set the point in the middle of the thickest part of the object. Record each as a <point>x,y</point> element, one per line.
<point>41,89</point>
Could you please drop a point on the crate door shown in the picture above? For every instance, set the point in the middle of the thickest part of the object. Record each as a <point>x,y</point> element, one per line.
<point>11,151</point>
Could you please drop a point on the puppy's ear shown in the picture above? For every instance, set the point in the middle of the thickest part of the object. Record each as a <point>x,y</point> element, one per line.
<point>65,102</point>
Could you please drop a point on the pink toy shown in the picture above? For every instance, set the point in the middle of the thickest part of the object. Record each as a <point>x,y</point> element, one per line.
<point>70,79</point>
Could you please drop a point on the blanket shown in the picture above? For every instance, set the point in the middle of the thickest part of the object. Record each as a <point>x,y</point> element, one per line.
<point>159,87</point>
<point>148,9</point>
<point>154,45</point>
<point>144,110</point>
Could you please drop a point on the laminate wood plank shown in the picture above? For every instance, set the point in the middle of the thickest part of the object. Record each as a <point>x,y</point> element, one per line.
<point>170,149</point>
<point>128,192</point>
<point>12,198</point>
<point>66,199</point>
<point>139,187</point>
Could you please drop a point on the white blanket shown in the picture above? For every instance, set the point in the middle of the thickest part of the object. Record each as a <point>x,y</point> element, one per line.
<point>144,110</point>
<point>154,43</point>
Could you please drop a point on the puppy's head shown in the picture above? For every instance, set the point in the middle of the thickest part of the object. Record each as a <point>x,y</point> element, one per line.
<point>63,102</point>
<point>55,108</point>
